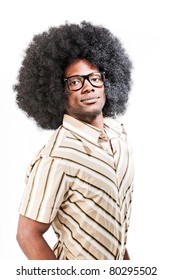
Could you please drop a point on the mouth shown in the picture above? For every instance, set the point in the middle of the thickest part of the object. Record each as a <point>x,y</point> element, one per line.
<point>90,100</point>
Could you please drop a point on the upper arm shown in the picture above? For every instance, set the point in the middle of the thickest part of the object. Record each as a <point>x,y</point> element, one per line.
<point>27,226</point>
<point>45,189</point>
<point>31,240</point>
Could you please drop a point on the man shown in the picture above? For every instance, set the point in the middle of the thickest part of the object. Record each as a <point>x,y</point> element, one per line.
<point>75,79</point>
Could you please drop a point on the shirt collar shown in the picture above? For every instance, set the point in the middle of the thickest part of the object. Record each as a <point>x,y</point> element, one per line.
<point>114,128</point>
<point>89,132</point>
<point>82,129</point>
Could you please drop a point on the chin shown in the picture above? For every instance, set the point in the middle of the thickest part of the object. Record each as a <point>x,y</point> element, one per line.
<point>82,113</point>
<point>89,114</point>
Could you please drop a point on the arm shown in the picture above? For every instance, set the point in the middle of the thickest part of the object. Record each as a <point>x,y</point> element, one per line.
<point>126,255</point>
<point>30,239</point>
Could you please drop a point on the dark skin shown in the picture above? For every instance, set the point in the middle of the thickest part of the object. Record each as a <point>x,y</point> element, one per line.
<point>85,105</point>
<point>31,240</point>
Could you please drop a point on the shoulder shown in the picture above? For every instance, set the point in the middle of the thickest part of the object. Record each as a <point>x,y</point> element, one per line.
<point>44,155</point>
<point>54,142</point>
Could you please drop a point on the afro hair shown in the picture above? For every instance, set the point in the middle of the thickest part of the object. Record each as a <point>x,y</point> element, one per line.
<point>40,89</point>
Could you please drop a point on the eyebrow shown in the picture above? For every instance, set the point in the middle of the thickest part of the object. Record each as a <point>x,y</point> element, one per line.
<point>77,75</point>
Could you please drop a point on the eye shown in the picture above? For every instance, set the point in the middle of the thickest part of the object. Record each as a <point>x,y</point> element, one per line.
<point>75,82</point>
<point>95,78</point>
<point>72,82</point>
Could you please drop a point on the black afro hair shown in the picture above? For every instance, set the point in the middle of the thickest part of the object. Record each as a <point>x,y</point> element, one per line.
<point>40,87</point>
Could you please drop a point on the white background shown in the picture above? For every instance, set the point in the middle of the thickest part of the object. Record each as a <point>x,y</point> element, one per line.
<point>145,28</point>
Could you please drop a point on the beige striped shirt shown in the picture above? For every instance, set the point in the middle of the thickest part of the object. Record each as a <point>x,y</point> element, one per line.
<point>82,183</point>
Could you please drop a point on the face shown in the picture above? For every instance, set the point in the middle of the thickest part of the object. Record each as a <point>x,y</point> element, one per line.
<point>88,102</point>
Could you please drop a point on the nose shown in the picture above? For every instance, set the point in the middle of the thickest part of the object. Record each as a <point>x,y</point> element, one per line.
<point>87,87</point>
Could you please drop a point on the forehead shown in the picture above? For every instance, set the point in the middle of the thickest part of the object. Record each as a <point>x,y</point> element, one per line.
<point>80,67</point>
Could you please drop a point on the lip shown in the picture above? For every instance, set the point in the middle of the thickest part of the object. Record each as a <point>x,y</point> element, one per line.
<point>90,100</point>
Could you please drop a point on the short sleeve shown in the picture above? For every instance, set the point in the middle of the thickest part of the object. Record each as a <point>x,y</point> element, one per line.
<point>45,189</point>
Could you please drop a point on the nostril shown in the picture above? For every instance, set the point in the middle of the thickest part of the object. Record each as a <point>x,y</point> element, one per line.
<point>87,90</point>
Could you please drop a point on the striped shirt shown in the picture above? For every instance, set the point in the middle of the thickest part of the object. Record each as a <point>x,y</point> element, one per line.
<point>82,183</point>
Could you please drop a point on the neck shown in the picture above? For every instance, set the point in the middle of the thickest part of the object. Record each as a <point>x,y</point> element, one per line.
<point>96,121</point>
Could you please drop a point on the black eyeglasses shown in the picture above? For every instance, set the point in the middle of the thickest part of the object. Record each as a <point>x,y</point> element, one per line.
<point>76,82</point>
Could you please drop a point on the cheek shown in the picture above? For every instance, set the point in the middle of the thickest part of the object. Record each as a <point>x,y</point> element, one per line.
<point>104,97</point>
<point>72,100</point>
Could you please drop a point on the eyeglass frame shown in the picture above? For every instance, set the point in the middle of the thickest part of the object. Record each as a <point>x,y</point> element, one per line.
<point>85,77</point>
